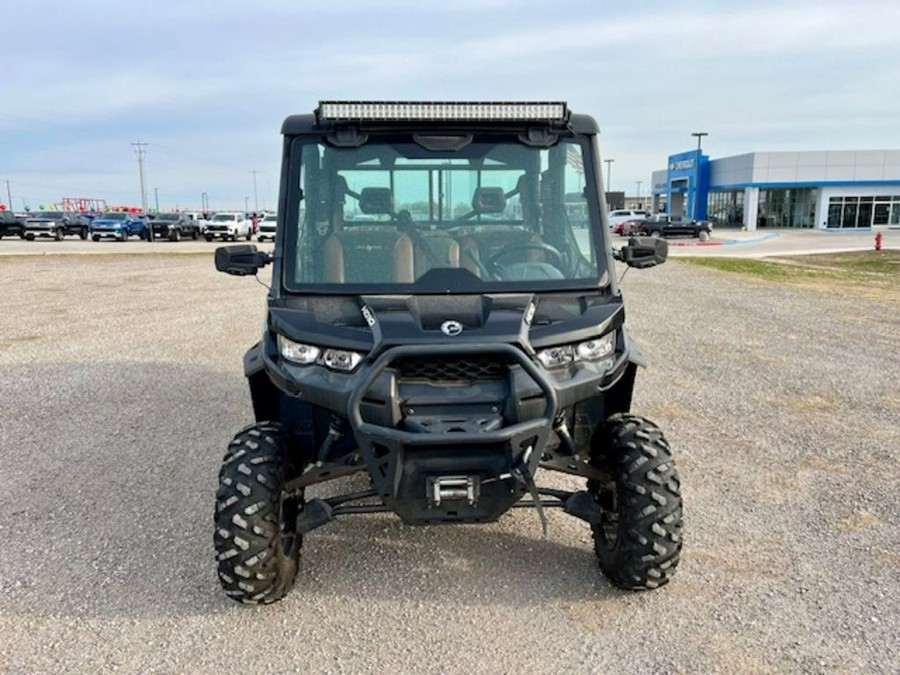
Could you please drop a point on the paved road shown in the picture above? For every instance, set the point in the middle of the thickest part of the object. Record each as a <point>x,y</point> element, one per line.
<point>121,384</point>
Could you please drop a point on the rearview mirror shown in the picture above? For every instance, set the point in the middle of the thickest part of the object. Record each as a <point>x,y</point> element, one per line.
<point>241,260</point>
<point>643,252</point>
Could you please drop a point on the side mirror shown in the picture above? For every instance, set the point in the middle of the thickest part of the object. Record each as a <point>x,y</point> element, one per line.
<point>241,260</point>
<point>643,252</point>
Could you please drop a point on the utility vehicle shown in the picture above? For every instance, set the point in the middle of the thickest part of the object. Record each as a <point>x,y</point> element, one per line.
<point>444,316</point>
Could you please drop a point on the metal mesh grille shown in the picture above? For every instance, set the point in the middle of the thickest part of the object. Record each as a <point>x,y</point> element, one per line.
<point>452,368</point>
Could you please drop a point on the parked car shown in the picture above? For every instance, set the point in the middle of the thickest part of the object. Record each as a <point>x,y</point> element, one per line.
<point>629,227</point>
<point>267,227</point>
<point>228,225</point>
<point>55,224</point>
<point>666,225</point>
<point>11,224</point>
<point>621,215</point>
<point>174,226</point>
<point>118,225</point>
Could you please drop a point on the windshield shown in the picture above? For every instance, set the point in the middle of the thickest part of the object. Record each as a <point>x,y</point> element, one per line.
<point>402,215</point>
<point>47,214</point>
<point>224,217</point>
<point>167,216</point>
<point>114,216</point>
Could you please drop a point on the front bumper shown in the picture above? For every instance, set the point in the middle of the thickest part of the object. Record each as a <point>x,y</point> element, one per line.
<point>42,230</point>
<point>115,232</point>
<point>442,453</point>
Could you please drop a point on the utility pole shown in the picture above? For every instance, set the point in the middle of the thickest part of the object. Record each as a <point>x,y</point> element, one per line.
<point>140,152</point>
<point>255,196</point>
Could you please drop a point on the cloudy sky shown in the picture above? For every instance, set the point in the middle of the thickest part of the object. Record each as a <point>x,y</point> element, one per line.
<point>207,83</point>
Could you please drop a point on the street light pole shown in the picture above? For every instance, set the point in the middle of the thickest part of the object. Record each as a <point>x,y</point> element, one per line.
<point>609,174</point>
<point>639,187</point>
<point>699,135</point>
<point>204,202</point>
<point>255,195</point>
<point>156,197</point>
<point>246,204</point>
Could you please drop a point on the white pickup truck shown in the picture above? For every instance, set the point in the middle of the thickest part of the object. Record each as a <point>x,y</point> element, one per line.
<point>228,225</point>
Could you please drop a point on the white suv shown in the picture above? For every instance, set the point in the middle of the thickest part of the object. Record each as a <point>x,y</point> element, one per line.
<point>228,225</point>
<point>622,215</point>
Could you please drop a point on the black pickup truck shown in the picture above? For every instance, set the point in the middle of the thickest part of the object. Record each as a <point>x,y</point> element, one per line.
<point>11,224</point>
<point>55,224</point>
<point>666,225</point>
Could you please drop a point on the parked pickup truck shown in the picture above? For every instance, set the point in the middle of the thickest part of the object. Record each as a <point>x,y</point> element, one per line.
<point>667,225</point>
<point>228,225</point>
<point>267,227</point>
<point>118,225</point>
<point>174,226</point>
<point>55,224</point>
<point>11,224</point>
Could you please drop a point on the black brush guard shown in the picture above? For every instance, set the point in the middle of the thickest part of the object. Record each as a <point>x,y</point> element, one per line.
<point>456,476</point>
<point>459,476</point>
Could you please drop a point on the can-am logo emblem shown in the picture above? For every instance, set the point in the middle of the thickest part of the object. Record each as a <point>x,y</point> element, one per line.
<point>451,328</point>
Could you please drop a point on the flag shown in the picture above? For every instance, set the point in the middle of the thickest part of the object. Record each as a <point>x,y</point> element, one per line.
<point>574,159</point>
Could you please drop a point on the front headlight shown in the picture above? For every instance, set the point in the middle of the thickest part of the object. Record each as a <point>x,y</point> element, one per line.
<point>297,352</point>
<point>592,350</point>
<point>335,359</point>
<point>339,359</point>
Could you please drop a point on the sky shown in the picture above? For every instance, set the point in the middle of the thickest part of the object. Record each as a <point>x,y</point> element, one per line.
<point>206,84</point>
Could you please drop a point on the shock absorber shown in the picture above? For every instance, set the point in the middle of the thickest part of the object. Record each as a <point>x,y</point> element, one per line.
<point>338,428</point>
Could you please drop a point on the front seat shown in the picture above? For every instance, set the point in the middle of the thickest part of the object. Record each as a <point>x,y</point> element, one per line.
<point>370,252</point>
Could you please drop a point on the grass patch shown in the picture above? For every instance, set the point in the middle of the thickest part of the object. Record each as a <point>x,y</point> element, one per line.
<point>874,273</point>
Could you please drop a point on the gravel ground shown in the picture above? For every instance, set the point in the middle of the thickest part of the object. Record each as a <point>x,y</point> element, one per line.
<point>121,384</point>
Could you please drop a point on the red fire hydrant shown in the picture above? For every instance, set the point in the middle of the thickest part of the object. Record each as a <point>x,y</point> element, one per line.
<point>878,237</point>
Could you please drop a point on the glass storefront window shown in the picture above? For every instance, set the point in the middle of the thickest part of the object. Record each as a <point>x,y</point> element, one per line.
<point>863,211</point>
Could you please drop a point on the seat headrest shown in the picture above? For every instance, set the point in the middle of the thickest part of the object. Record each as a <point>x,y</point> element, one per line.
<point>374,200</point>
<point>489,200</point>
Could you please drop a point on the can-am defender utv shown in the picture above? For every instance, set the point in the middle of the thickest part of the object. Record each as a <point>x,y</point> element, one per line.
<point>444,315</point>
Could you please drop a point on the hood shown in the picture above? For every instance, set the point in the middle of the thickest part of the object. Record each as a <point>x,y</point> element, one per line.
<point>367,323</point>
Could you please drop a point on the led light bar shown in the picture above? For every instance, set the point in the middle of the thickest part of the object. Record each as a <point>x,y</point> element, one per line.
<point>401,111</point>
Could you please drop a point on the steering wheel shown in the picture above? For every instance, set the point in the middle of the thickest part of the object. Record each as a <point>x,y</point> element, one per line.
<point>555,258</point>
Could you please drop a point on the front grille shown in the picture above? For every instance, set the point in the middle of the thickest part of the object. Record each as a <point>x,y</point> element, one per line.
<point>452,368</point>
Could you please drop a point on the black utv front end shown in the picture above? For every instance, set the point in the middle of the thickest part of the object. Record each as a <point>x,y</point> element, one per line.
<point>444,318</point>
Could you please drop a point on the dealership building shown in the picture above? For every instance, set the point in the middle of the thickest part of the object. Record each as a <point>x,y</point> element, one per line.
<point>831,189</point>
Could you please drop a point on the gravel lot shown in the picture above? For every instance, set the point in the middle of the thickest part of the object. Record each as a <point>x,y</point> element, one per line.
<point>121,384</point>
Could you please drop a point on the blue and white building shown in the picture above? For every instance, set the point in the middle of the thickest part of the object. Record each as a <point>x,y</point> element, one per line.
<point>832,189</point>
